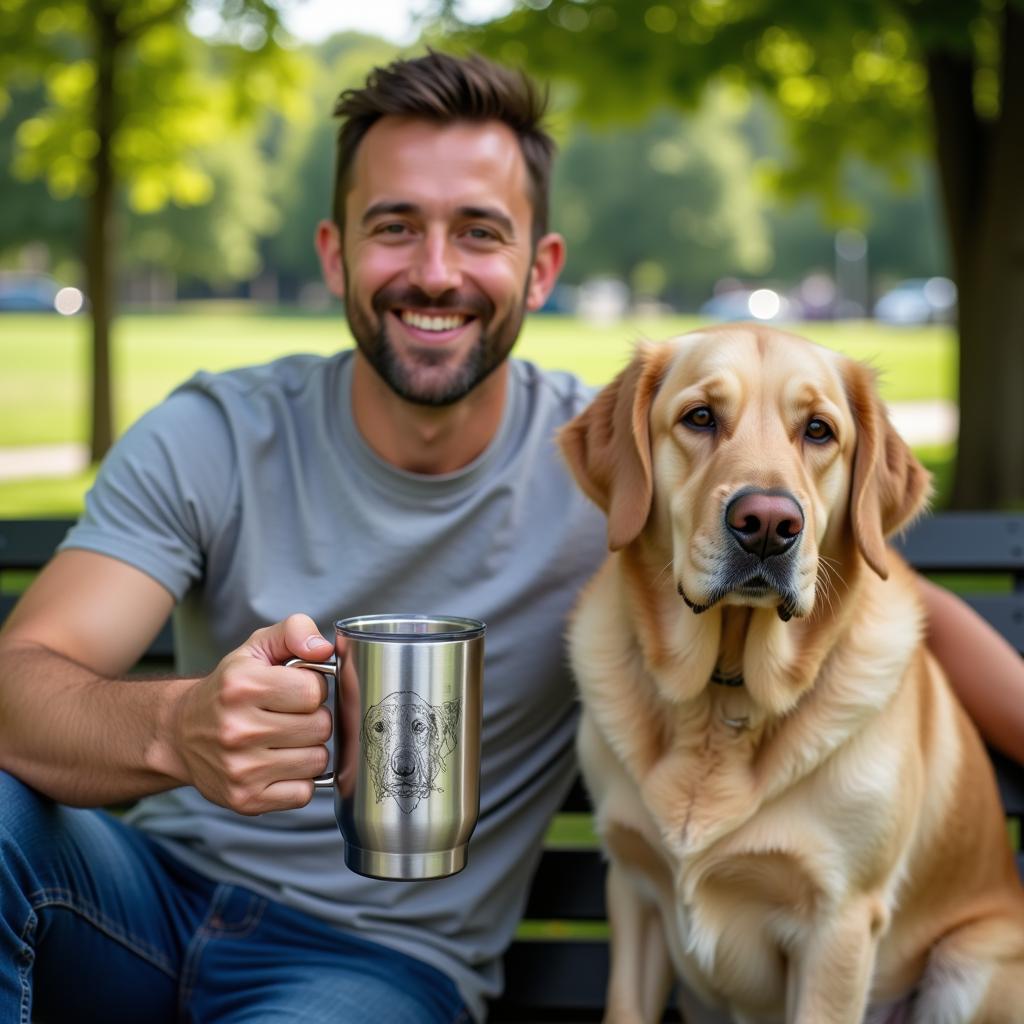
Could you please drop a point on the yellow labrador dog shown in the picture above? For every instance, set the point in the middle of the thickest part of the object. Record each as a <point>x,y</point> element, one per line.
<point>801,822</point>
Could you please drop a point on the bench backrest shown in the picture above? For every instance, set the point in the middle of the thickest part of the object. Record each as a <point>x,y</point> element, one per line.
<point>558,964</point>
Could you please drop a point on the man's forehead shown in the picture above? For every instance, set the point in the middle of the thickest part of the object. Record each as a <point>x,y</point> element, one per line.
<point>422,161</point>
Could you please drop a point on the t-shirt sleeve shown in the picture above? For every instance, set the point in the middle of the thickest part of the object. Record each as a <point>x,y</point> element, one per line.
<point>163,492</point>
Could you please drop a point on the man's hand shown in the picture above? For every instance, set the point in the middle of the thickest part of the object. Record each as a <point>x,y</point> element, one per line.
<point>250,736</point>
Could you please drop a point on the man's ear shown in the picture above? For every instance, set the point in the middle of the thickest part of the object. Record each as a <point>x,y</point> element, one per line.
<point>329,248</point>
<point>548,260</point>
<point>608,445</point>
<point>889,487</point>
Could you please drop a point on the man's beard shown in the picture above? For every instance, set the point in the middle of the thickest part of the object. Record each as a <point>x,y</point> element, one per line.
<point>421,376</point>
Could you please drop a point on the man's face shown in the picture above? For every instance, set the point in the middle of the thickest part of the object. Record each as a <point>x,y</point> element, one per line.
<point>436,264</point>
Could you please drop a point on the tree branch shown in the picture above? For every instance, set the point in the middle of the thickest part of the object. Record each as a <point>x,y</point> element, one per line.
<point>143,25</point>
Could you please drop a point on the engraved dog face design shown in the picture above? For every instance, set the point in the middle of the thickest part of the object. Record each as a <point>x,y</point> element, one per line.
<point>405,742</point>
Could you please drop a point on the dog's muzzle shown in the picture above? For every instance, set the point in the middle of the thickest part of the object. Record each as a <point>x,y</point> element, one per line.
<point>765,527</point>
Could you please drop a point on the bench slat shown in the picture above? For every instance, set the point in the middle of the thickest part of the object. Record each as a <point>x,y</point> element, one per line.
<point>553,974</point>
<point>568,886</point>
<point>966,542</point>
<point>30,543</point>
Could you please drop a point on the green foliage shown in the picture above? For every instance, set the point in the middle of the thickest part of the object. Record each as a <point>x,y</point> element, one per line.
<point>187,116</point>
<point>847,77</point>
<point>669,207</point>
<point>302,172</point>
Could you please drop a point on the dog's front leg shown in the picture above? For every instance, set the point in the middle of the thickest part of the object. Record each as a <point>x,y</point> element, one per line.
<point>830,977</point>
<point>641,973</point>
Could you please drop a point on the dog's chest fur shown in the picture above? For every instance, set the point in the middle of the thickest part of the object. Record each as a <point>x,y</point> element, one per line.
<point>715,787</point>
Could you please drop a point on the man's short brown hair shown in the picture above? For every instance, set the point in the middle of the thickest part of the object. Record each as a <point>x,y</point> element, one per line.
<point>442,88</point>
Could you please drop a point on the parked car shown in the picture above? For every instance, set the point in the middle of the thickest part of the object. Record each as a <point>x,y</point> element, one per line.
<point>918,300</point>
<point>27,293</point>
<point>37,293</point>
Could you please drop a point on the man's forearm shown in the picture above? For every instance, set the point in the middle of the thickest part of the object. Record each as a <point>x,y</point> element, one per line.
<point>80,738</point>
<point>986,672</point>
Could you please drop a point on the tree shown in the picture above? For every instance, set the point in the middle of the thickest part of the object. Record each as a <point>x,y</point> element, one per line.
<point>667,206</point>
<point>130,102</point>
<point>873,79</point>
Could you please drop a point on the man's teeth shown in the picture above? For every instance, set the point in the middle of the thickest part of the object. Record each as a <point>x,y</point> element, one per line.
<point>432,323</point>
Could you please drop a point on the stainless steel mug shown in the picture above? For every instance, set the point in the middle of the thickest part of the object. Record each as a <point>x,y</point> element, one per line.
<point>407,703</point>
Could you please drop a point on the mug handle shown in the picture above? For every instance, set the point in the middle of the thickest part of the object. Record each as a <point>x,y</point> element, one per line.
<point>325,668</point>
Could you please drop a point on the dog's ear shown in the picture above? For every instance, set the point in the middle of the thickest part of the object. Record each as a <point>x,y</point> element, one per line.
<point>448,715</point>
<point>889,487</point>
<point>608,445</point>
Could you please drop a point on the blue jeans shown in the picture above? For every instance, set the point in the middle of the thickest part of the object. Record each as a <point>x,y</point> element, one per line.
<point>100,923</point>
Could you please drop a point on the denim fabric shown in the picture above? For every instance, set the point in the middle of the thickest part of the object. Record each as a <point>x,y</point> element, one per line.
<point>100,923</point>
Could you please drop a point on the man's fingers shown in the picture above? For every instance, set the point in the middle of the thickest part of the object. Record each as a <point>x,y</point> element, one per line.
<point>292,773</point>
<point>284,731</point>
<point>284,796</point>
<point>246,684</point>
<point>294,690</point>
<point>295,637</point>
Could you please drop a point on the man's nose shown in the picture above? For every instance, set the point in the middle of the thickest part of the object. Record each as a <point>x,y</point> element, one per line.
<point>435,268</point>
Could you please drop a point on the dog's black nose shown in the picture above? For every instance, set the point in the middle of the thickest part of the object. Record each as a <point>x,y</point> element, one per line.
<point>765,523</point>
<point>403,764</point>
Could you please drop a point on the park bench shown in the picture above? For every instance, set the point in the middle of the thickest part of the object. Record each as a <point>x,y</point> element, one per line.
<point>557,967</point>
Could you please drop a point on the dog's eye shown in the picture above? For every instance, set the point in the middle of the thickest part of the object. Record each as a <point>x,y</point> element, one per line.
<point>418,725</point>
<point>818,431</point>
<point>378,727</point>
<point>701,418</point>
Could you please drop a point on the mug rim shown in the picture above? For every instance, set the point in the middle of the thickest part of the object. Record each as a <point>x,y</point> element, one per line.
<point>360,627</point>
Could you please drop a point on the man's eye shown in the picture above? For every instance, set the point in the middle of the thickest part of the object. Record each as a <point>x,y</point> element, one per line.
<point>391,229</point>
<point>481,234</point>
<point>701,418</point>
<point>818,431</point>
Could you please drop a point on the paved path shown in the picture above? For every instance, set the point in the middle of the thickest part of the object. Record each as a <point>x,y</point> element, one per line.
<point>918,422</point>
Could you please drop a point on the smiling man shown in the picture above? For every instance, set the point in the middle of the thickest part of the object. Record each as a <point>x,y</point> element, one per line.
<point>417,472</point>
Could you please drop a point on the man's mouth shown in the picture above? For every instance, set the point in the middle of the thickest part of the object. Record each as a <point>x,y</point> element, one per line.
<point>439,325</point>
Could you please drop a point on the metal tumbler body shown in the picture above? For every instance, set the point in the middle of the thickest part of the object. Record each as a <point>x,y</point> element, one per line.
<point>409,696</point>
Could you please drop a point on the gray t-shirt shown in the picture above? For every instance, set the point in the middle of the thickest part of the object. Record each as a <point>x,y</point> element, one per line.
<point>251,495</point>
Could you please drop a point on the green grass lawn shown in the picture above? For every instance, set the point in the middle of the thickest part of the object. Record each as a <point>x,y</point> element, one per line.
<point>44,383</point>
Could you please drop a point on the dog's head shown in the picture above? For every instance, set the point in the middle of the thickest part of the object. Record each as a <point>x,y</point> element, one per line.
<point>747,453</point>
<point>405,741</point>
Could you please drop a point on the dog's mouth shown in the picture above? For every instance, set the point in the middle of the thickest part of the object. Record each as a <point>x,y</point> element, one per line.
<point>406,788</point>
<point>751,585</point>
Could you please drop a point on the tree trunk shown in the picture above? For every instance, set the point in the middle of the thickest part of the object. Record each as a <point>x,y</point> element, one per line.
<point>979,166</point>
<point>99,241</point>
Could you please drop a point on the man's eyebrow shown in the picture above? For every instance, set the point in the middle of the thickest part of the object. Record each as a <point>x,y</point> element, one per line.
<point>491,213</point>
<point>386,208</point>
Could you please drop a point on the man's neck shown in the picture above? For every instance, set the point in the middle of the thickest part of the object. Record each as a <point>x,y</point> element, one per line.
<point>423,438</point>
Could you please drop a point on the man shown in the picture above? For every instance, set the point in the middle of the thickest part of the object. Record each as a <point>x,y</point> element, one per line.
<point>417,473</point>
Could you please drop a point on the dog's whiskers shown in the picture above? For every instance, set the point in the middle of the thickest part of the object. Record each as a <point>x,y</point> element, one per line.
<point>665,569</point>
<point>825,585</point>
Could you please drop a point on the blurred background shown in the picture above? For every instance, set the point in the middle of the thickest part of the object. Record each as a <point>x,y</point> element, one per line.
<point>850,169</point>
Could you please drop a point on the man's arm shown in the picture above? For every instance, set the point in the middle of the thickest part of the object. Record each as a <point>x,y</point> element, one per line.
<point>249,736</point>
<point>986,672</point>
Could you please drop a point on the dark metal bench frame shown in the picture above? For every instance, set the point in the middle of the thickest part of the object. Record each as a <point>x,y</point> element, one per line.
<point>556,978</point>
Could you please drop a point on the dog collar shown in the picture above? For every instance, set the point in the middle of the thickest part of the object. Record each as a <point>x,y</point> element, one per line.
<point>724,680</point>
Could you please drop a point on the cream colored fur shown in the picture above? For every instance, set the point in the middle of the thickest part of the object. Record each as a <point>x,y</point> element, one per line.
<point>826,841</point>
